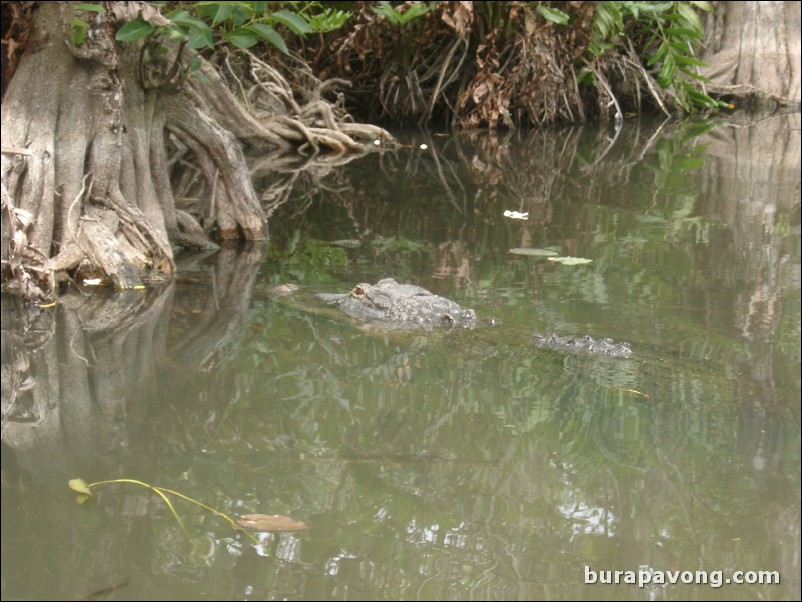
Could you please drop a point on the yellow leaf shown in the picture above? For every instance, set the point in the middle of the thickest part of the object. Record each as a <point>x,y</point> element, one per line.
<point>80,486</point>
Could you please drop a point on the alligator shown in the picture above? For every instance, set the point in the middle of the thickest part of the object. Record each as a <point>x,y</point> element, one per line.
<point>583,345</point>
<point>390,304</point>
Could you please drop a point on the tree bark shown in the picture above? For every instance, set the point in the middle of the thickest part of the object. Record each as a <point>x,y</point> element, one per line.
<point>84,155</point>
<point>753,49</point>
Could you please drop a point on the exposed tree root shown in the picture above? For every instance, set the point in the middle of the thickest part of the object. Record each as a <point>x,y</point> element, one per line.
<point>504,64</point>
<point>88,171</point>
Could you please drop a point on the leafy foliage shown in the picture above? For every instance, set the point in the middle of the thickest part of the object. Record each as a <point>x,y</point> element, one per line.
<point>414,11</point>
<point>555,15</point>
<point>242,24</point>
<point>474,64</point>
<point>670,32</point>
<point>80,25</point>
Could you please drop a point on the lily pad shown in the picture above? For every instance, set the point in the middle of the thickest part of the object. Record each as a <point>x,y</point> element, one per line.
<point>571,260</point>
<point>271,522</point>
<point>533,252</point>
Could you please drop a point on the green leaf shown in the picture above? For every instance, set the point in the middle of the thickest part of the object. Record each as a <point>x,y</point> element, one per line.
<point>703,99</point>
<point>705,6</point>
<point>396,17</point>
<point>243,12</point>
<point>182,17</point>
<point>554,15</point>
<point>79,28</point>
<point>135,30</point>
<point>662,50</point>
<point>666,75</point>
<point>177,33</point>
<point>79,486</point>
<point>646,7</point>
<point>216,11</point>
<point>200,38</point>
<point>199,33</point>
<point>689,60</point>
<point>696,76</point>
<point>269,35</point>
<point>418,9</point>
<point>682,32</point>
<point>328,20</point>
<point>242,38</point>
<point>690,15</point>
<point>292,21</point>
<point>689,163</point>
<point>95,8</point>
<point>386,10</point>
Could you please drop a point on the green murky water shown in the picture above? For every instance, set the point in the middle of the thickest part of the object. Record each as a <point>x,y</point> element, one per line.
<point>449,465</point>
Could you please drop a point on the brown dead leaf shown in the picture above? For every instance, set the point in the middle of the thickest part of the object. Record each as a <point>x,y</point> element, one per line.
<point>461,19</point>
<point>126,11</point>
<point>271,522</point>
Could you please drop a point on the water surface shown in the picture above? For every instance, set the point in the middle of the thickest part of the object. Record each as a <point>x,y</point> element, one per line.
<point>447,465</point>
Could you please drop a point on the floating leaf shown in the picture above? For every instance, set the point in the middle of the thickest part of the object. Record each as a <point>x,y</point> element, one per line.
<point>80,486</point>
<point>350,243</point>
<point>271,522</point>
<point>570,260</point>
<point>533,252</point>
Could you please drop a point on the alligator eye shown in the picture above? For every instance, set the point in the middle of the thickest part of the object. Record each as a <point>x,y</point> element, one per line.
<point>358,291</point>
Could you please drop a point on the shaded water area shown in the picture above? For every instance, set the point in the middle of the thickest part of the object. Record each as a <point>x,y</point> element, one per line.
<point>463,464</point>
